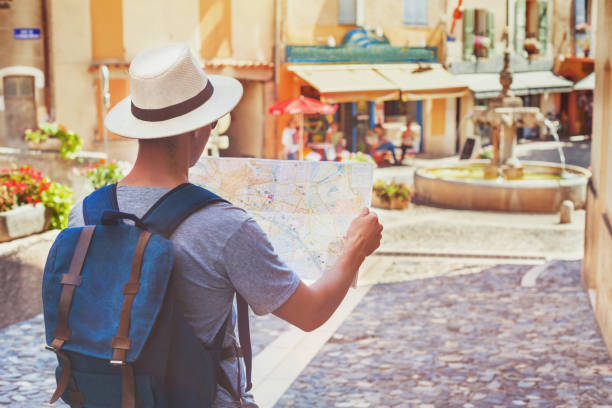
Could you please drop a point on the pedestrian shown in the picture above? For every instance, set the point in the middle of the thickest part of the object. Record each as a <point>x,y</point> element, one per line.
<point>290,139</point>
<point>384,144</point>
<point>408,137</point>
<point>219,250</point>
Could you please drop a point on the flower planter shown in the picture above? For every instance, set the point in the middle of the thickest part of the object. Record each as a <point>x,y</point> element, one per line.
<point>22,221</point>
<point>399,204</point>
<point>51,143</point>
<point>379,202</point>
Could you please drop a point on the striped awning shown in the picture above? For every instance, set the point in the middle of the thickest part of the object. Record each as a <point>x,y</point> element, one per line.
<point>523,83</point>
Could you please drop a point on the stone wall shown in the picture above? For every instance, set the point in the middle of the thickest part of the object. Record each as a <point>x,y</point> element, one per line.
<point>53,166</point>
<point>21,267</point>
<point>597,262</point>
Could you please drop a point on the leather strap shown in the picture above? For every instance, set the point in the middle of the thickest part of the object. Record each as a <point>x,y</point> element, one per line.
<point>65,376</point>
<point>244,335</point>
<point>121,342</point>
<point>128,387</point>
<point>69,282</point>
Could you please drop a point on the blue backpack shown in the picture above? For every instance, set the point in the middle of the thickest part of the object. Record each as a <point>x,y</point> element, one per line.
<point>112,321</point>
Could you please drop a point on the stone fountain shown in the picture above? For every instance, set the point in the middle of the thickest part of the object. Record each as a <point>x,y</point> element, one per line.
<point>504,183</point>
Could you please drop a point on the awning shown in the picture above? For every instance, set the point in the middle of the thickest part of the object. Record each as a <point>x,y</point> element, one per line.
<point>347,82</point>
<point>380,82</point>
<point>423,82</point>
<point>523,83</point>
<point>586,84</point>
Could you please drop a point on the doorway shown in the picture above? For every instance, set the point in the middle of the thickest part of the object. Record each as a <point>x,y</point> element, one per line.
<point>19,108</point>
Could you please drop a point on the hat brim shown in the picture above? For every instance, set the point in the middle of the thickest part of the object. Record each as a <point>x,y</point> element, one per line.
<point>226,95</point>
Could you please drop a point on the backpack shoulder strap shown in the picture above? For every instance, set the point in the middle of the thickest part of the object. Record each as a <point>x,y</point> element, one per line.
<point>101,200</point>
<point>175,206</point>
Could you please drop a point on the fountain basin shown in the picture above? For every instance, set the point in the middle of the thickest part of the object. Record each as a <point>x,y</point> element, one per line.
<point>463,186</point>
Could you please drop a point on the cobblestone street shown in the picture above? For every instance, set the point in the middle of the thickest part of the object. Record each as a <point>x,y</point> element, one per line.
<point>432,331</point>
<point>476,340</point>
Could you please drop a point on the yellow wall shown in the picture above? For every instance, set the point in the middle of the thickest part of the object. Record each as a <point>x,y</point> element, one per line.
<point>438,117</point>
<point>106,29</point>
<point>312,22</point>
<point>597,262</point>
<point>216,28</point>
<point>118,88</point>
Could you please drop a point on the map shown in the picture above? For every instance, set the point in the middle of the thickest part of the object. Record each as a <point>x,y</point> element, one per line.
<point>304,207</point>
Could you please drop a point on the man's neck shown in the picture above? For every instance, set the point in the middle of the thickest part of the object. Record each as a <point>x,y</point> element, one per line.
<point>154,167</point>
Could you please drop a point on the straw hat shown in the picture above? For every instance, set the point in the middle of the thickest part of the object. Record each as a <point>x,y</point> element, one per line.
<point>171,95</point>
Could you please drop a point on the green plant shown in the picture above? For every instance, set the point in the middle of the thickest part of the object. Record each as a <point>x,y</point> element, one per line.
<point>7,199</point>
<point>392,190</point>
<point>71,143</point>
<point>360,157</point>
<point>29,186</point>
<point>58,198</point>
<point>486,153</point>
<point>104,173</point>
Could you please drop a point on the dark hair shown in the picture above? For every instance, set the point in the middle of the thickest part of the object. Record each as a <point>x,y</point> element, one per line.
<point>377,126</point>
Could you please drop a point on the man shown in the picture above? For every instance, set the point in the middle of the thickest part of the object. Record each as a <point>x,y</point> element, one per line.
<point>219,249</point>
<point>408,137</point>
<point>290,140</point>
<point>384,143</point>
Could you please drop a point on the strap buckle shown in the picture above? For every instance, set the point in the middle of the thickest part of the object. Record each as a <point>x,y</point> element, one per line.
<point>118,362</point>
<point>50,348</point>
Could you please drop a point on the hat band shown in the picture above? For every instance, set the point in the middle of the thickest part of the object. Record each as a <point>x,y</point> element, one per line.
<point>173,111</point>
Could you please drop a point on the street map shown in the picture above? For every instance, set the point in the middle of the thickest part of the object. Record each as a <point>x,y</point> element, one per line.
<point>304,207</point>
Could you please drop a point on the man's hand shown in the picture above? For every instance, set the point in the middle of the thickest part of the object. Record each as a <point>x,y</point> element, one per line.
<point>310,306</point>
<point>364,233</point>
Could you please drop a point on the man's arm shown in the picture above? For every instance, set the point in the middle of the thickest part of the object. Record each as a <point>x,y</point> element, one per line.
<point>310,306</point>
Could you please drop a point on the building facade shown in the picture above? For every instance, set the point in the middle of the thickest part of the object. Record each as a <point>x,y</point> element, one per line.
<point>597,262</point>
<point>535,35</point>
<point>55,72</point>
<point>380,64</point>
<point>24,90</point>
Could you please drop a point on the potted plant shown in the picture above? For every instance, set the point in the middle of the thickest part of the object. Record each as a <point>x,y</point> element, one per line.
<point>104,173</point>
<point>582,28</point>
<point>31,203</point>
<point>486,153</point>
<point>532,46</point>
<point>481,46</point>
<point>380,199</point>
<point>391,195</point>
<point>54,136</point>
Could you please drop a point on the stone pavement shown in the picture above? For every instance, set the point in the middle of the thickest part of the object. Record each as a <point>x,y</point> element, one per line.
<point>476,340</point>
<point>26,368</point>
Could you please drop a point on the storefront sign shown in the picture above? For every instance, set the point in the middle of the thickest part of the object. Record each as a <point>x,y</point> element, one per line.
<point>26,33</point>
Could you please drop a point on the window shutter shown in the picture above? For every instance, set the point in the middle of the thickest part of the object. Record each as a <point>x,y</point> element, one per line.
<point>491,32</point>
<point>543,24</point>
<point>520,17</point>
<point>415,12</point>
<point>468,34</point>
<point>347,12</point>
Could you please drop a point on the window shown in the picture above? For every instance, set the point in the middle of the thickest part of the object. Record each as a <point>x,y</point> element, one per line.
<point>478,33</point>
<point>350,12</point>
<point>20,107</point>
<point>582,27</point>
<point>415,12</point>
<point>531,27</point>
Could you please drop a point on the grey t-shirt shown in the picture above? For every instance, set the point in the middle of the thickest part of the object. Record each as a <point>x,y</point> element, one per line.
<point>218,249</point>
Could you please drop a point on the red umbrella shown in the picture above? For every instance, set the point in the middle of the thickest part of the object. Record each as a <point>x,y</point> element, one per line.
<point>302,105</point>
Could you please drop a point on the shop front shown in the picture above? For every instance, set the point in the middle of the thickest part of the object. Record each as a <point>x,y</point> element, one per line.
<point>393,95</point>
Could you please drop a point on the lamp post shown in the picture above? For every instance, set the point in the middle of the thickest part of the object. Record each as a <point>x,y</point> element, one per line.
<point>104,101</point>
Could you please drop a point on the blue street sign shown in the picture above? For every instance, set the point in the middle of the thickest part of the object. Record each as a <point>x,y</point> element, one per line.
<point>26,33</point>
